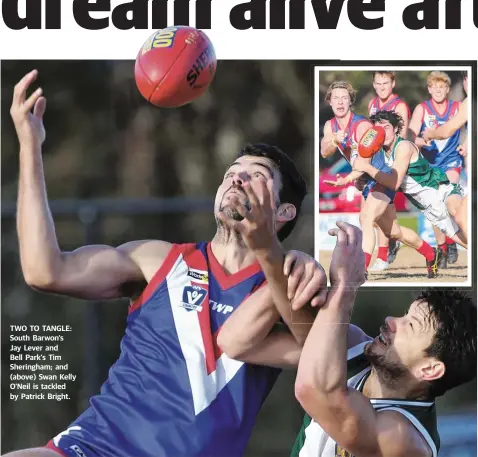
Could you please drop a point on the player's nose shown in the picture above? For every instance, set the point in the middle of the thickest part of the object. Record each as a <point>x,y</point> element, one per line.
<point>391,323</point>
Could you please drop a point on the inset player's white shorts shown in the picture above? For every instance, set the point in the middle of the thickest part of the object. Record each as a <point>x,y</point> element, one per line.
<point>437,212</point>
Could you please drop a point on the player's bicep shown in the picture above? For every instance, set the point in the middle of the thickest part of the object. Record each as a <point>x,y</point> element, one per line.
<point>95,272</point>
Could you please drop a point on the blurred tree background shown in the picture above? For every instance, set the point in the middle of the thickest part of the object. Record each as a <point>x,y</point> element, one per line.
<point>105,141</point>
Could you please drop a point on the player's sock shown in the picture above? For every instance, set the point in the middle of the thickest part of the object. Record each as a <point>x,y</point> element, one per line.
<point>382,253</point>
<point>426,251</point>
<point>368,258</point>
<point>443,247</point>
<point>449,241</point>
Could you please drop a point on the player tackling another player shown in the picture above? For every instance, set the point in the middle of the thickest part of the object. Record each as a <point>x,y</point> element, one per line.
<point>363,397</point>
<point>386,100</point>
<point>427,188</point>
<point>377,207</point>
<point>172,392</point>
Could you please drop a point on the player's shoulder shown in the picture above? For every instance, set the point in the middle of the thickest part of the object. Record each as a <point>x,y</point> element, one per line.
<point>149,255</point>
<point>398,436</point>
<point>406,146</point>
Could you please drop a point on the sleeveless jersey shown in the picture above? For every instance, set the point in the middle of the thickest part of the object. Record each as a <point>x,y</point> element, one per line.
<point>421,182</point>
<point>312,441</point>
<point>442,153</point>
<point>391,105</point>
<point>172,393</point>
<point>348,147</point>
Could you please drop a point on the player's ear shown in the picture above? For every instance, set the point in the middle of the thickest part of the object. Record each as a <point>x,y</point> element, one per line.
<point>432,369</point>
<point>285,212</point>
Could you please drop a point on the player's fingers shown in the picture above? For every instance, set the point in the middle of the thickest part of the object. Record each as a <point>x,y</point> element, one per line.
<point>289,261</point>
<point>321,297</point>
<point>30,103</point>
<point>40,107</point>
<point>270,193</point>
<point>20,90</point>
<point>349,231</point>
<point>251,195</point>
<point>313,291</point>
<point>294,278</point>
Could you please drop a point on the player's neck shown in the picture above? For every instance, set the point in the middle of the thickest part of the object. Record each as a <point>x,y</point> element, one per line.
<point>231,252</point>
<point>440,106</point>
<point>387,99</point>
<point>386,386</point>
<point>344,120</point>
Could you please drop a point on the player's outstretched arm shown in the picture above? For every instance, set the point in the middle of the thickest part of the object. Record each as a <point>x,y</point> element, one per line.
<point>451,126</point>
<point>345,414</point>
<point>91,272</point>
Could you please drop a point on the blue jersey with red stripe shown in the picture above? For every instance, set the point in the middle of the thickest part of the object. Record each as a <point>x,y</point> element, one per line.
<point>172,392</point>
<point>376,105</point>
<point>348,147</point>
<point>441,154</point>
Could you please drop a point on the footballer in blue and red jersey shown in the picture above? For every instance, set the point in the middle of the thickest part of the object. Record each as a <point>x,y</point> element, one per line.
<point>444,153</point>
<point>172,392</point>
<point>391,105</point>
<point>348,147</point>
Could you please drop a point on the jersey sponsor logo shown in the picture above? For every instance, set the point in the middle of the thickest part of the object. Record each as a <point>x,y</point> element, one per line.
<point>77,450</point>
<point>200,276</point>
<point>431,121</point>
<point>220,308</point>
<point>193,297</point>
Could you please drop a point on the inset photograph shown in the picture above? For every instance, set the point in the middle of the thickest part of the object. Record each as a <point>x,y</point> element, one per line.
<point>391,151</point>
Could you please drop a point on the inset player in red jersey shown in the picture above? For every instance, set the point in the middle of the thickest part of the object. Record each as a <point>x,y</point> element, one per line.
<point>387,100</point>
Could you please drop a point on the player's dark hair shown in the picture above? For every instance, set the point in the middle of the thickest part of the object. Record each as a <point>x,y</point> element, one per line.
<point>391,116</point>
<point>294,188</point>
<point>453,315</point>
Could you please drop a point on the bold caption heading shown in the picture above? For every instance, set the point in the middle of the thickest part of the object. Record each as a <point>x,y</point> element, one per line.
<point>253,14</point>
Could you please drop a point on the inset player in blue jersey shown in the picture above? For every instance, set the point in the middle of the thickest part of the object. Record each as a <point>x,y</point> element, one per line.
<point>444,153</point>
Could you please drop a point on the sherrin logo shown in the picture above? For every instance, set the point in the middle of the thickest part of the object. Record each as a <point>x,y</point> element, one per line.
<point>369,137</point>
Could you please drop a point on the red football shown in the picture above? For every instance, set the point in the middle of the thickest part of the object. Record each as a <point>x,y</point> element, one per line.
<point>371,142</point>
<point>175,66</point>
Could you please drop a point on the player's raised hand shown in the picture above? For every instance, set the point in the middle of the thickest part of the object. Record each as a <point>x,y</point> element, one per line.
<point>27,113</point>
<point>339,137</point>
<point>339,181</point>
<point>307,282</point>
<point>347,267</point>
<point>257,226</point>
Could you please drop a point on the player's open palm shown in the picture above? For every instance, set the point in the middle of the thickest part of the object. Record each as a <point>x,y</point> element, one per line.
<point>347,267</point>
<point>27,113</point>
<point>257,226</point>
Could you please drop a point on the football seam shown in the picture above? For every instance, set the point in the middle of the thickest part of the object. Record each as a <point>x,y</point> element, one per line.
<point>166,74</point>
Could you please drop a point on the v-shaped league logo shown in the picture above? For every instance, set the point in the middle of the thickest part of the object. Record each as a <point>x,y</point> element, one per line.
<point>193,298</point>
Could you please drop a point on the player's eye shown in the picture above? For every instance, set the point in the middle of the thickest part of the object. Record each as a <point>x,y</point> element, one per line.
<point>229,175</point>
<point>258,174</point>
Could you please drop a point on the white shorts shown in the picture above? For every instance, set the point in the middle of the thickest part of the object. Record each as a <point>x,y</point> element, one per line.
<point>437,212</point>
